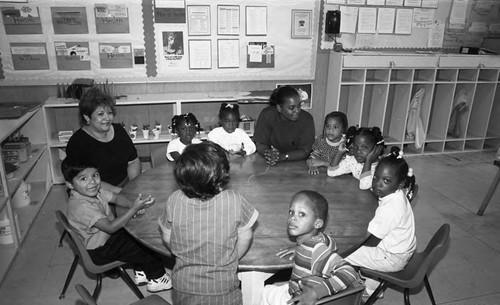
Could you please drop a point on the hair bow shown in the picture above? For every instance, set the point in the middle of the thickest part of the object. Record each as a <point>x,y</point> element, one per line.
<point>229,106</point>
<point>410,172</point>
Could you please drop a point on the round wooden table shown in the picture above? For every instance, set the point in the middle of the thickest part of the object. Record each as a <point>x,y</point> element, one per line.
<point>270,190</point>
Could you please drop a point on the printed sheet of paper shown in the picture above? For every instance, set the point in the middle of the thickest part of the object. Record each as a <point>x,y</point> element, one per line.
<point>423,17</point>
<point>349,19</point>
<point>458,11</point>
<point>228,20</point>
<point>367,20</point>
<point>200,55</point>
<point>335,1</point>
<point>198,19</point>
<point>385,20</point>
<point>375,2</point>
<point>430,3</point>
<point>403,21</point>
<point>394,2</point>
<point>356,2</point>
<point>256,20</point>
<point>436,35</point>
<point>415,3</point>
<point>228,53</point>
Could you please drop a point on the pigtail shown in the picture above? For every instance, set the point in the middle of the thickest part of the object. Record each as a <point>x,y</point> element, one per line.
<point>350,134</point>
<point>175,123</point>
<point>395,159</point>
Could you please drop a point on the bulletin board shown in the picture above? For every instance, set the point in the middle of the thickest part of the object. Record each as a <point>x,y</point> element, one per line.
<point>53,41</point>
<point>444,29</point>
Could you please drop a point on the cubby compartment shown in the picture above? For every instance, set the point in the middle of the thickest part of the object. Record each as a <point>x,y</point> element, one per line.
<point>374,100</point>
<point>353,76</point>
<point>440,111</point>
<point>488,75</point>
<point>454,146</point>
<point>467,75</point>
<point>425,105</point>
<point>401,75</point>
<point>350,102</point>
<point>446,75</point>
<point>472,145</point>
<point>433,147</point>
<point>397,110</point>
<point>494,117</point>
<point>491,144</point>
<point>481,105</point>
<point>424,75</point>
<point>410,149</point>
<point>377,75</point>
<point>461,110</point>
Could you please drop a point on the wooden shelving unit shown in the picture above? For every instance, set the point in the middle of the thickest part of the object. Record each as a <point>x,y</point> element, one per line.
<point>33,171</point>
<point>62,114</point>
<point>376,90</point>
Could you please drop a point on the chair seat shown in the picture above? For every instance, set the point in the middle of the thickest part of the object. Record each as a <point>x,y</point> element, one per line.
<point>404,278</point>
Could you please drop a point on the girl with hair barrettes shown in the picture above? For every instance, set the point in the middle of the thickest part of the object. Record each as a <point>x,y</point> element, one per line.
<point>392,239</point>
<point>186,126</point>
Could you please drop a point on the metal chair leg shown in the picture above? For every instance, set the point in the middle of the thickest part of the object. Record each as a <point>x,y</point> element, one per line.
<point>69,276</point>
<point>406,295</point>
<point>429,290</point>
<point>98,286</point>
<point>373,298</point>
<point>62,238</point>
<point>126,278</point>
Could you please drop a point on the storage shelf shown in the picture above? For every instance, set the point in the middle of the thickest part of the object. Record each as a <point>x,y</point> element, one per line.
<point>26,215</point>
<point>25,167</point>
<point>377,90</point>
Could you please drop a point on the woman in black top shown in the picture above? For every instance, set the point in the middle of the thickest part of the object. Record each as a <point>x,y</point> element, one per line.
<point>106,144</point>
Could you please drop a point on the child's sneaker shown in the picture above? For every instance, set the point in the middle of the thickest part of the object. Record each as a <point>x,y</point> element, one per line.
<point>140,278</point>
<point>160,284</point>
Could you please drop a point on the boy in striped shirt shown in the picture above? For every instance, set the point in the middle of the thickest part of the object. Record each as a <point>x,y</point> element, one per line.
<point>318,271</point>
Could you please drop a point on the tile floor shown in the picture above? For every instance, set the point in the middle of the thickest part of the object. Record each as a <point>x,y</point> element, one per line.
<point>451,190</point>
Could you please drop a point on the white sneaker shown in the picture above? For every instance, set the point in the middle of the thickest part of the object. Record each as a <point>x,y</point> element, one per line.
<point>140,278</point>
<point>160,284</point>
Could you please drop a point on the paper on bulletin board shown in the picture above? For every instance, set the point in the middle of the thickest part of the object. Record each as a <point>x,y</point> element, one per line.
<point>436,35</point>
<point>21,19</point>
<point>111,19</point>
<point>423,18</point>
<point>260,55</point>
<point>29,56</point>
<point>349,18</point>
<point>72,55</point>
<point>115,55</point>
<point>69,20</point>
<point>170,11</point>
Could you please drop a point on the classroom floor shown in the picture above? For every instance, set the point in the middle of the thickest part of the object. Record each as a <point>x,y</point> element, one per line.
<point>451,190</point>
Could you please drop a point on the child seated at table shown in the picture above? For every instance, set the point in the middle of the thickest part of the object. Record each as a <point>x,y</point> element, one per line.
<point>206,227</point>
<point>326,145</point>
<point>186,126</point>
<point>318,271</point>
<point>103,234</point>
<point>365,145</point>
<point>233,139</point>
<point>392,239</point>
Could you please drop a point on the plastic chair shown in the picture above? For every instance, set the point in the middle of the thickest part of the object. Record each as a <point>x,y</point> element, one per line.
<point>158,156</point>
<point>415,271</point>
<point>149,300</point>
<point>351,296</point>
<point>88,264</point>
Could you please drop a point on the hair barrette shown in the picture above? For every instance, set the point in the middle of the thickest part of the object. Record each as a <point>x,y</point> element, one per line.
<point>229,106</point>
<point>410,172</point>
<point>400,155</point>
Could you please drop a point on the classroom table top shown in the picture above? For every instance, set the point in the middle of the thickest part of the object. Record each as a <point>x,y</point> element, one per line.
<point>269,189</point>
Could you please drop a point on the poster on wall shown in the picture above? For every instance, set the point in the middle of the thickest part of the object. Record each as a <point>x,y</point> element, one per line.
<point>111,19</point>
<point>69,20</point>
<point>198,19</point>
<point>23,19</point>
<point>228,19</point>
<point>115,55</point>
<point>173,48</point>
<point>170,11</point>
<point>228,53</point>
<point>29,56</point>
<point>305,91</point>
<point>72,55</point>
<point>200,54</point>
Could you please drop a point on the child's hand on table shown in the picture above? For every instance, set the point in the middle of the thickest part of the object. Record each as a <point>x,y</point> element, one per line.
<point>306,296</point>
<point>287,251</point>
<point>313,170</point>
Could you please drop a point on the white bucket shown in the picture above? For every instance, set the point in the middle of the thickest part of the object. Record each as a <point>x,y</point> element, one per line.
<point>22,196</point>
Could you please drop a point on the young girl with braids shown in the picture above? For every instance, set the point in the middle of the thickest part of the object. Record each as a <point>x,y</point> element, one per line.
<point>186,126</point>
<point>392,239</point>
<point>365,146</point>
<point>233,139</point>
<point>326,146</point>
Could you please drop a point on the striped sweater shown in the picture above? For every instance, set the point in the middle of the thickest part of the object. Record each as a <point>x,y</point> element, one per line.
<point>318,265</point>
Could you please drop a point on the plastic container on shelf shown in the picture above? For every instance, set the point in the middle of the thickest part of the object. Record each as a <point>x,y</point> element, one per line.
<point>6,237</point>
<point>21,197</point>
